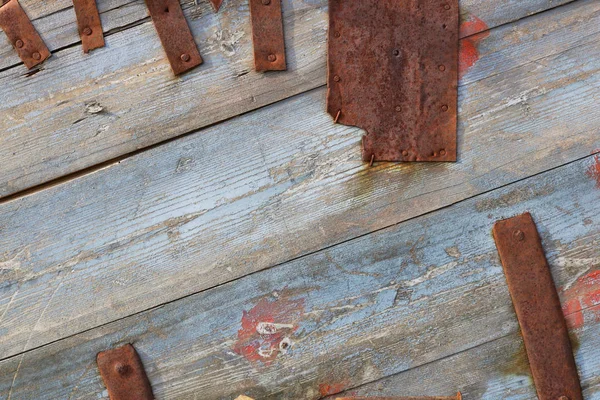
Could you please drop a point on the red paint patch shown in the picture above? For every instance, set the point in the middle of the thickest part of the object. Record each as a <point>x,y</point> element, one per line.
<point>584,293</point>
<point>258,339</point>
<point>594,170</point>
<point>473,30</point>
<point>327,389</point>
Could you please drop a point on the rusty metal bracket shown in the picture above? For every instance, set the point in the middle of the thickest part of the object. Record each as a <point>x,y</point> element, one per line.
<point>123,374</point>
<point>174,34</point>
<point>267,35</point>
<point>22,35</point>
<point>393,71</point>
<point>89,25</point>
<point>457,397</point>
<point>538,309</point>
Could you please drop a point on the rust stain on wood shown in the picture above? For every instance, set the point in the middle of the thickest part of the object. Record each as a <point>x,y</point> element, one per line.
<point>393,71</point>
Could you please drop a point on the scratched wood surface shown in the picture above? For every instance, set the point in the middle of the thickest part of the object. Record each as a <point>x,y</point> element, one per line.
<point>186,216</point>
<point>123,97</point>
<point>428,294</point>
<point>381,280</point>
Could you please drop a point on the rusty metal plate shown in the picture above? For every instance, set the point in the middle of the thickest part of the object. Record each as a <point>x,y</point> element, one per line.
<point>22,35</point>
<point>393,71</point>
<point>267,35</point>
<point>174,34</point>
<point>89,25</point>
<point>538,309</point>
<point>457,397</point>
<point>216,4</point>
<point>123,374</point>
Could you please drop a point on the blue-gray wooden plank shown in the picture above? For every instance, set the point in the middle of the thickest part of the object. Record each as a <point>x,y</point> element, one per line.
<point>413,294</point>
<point>272,185</point>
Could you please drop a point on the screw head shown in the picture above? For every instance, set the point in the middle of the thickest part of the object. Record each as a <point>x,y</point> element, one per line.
<point>447,7</point>
<point>272,57</point>
<point>336,78</point>
<point>87,31</point>
<point>442,67</point>
<point>519,235</point>
<point>37,55</point>
<point>266,2</point>
<point>19,43</point>
<point>185,57</point>
<point>444,108</point>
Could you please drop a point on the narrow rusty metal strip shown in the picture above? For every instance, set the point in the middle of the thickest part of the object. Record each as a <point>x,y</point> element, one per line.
<point>22,35</point>
<point>393,71</point>
<point>89,25</point>
<point>174,34</point>
<point>457,397</point>
<point>538,309</point>
<point>216,4</point>
<point>123,374</point>
<point>267,35</point>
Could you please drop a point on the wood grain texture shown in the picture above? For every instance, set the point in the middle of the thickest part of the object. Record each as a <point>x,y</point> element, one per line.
<point>124,97</point>
<point>189,215</point>
<point>428,291</point>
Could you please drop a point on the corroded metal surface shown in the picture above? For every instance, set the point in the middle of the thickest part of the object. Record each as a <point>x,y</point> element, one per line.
<point>174,34</point>
<point>123,374</point>
<point>538,309</point>
<point>457,397</point>
<point>267,35</point>
<point>89,25</point>
<point>216,4</point>
<point>393,71</point>
<point>22,35</point>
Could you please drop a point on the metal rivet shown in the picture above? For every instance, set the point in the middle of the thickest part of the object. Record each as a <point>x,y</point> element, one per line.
<point>336,78</point>
<point>272,57</point>
<point>442,67</point>
<point>19,43</point>
<point>37,55</point>
<point>447,7</point>
<point>444,108</point>
<point>87,31</point>
<point>404,153</point>
<point>442,152</point>
<point>185,57</point>
<point>396,53</point>
<point>398,108</point>
<point>337,34</point>
<point>519,235</point>
<point>122,369</point>
<point>266,2</point>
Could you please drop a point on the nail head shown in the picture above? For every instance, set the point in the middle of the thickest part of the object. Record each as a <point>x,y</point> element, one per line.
<point>87,31</point>
<point>185,57</point>
<point>37,55</point>
<point>444,108</point>
<point>519,235</point>
<point>336,78</point>
<point>266,2</point>
<point>442,67</point>
<point>447,7</point>
<point>272,57</point>
<point>19,43</point>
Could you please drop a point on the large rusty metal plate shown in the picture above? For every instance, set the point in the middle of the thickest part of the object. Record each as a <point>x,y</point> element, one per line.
<point>89,25</point>
<point>538,309</point>
<point>267,35</point>
<point>123,374</point>
<point>174,34</point>
<point>22,35</point>
<point>393,71</point>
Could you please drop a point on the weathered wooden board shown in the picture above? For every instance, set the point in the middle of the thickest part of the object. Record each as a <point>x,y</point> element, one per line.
<point>188,215</point>
<point>378,305</point>
<point>124,97</point>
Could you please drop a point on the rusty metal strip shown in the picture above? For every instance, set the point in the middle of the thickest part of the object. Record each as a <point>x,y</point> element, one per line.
<point>216,4</point>
<point>393,71</point>
<point>123,374</point>
<point>174,34</point>
<point>89,25</point>
<point>457,397</point>
<point>538,309</point>
<point>267,35</point>
<point>22,35</point>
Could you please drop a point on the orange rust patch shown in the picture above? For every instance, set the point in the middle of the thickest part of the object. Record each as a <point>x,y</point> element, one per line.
<point>327,389</point>
<point>594,170</point>
<point>262,345</point>
<point>473,30</point>
<point>584,293</point>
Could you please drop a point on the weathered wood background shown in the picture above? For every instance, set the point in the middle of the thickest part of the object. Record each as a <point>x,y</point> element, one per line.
<point>122,220</point>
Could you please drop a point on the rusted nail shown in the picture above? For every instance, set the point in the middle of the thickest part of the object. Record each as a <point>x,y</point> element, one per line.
<point>266,2</point>
<point>396,53</point>
<point>442,68</point>
<point>444,108</point>
<point>87,31</point>
<point>519,235</point>
<point>337,34</point>
<point>123,374</point>
<point>336,78</point>
<point>19,44</point>
<point>398,108</point>
<point>442,152</point>
<point>337,116</point>
<point>37,56</point>
<point>404,153</point>
<point>185,57</point>
<point>372,159</point>
<point>272,57</point>
<point>447,7</point>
